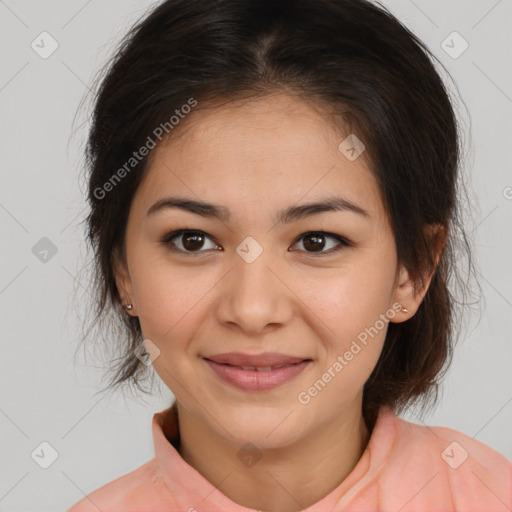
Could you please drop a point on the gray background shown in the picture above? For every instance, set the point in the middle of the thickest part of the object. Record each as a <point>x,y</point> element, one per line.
<point>44,395</point>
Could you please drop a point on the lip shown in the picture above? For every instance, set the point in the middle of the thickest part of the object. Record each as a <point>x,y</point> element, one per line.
<point>257,380</point>
<point>263,359</point>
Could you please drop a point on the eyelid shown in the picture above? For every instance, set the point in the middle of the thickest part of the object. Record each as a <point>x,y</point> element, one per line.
<point>343,242</point>
<point>166,241</point>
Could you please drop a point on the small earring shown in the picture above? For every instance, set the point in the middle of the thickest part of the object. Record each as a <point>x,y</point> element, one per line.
<point>128,307</point>
<point>404,310</point>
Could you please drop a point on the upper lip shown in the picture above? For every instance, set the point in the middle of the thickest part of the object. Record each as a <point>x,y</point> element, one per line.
<point>263,359</point>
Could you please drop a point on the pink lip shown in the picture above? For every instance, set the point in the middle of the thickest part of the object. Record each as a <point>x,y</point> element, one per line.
<point>255,380</point>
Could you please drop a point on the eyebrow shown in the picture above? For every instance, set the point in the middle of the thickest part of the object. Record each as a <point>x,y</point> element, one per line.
<point>285,216</point>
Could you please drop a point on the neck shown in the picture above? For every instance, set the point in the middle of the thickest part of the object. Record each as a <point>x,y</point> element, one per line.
<point>284,479</point>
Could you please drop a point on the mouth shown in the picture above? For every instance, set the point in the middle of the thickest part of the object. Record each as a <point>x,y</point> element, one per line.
<point>264,360</point>
<point>257,378</point>
<point>260,368</point>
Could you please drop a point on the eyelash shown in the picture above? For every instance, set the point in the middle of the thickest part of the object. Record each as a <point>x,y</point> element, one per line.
<point>344,243</point>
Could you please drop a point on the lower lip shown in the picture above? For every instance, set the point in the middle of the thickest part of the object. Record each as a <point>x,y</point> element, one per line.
<point>254,380</point>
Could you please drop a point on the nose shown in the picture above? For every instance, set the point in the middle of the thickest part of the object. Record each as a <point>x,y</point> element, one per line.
<point>255,297</point>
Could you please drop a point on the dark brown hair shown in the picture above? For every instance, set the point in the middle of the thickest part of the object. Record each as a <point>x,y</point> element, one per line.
<point>351,56</point>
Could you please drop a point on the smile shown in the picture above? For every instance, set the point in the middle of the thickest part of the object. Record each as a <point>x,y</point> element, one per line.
<point>257,378</point>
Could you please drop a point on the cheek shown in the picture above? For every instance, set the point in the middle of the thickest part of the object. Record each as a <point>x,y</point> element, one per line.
<point>353,318</point>
<point>351,309</point>
<point>168,307</point>
<point>350,299</point>
<point>168,301</point>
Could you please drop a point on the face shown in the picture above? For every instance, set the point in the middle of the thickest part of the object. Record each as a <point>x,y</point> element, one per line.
<point>314,285</point>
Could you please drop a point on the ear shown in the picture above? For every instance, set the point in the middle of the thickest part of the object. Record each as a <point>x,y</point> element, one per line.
<point>123,282</point>
<point>406,292</point>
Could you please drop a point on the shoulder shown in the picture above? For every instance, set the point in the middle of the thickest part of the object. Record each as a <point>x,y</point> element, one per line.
<point>450,446</point>
<point>461,471</point>
<point>135,491</point>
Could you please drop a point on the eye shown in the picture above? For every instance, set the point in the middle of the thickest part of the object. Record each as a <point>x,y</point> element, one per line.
<point>190,241</point>
<point>187,241</point>
<point>315,242</point>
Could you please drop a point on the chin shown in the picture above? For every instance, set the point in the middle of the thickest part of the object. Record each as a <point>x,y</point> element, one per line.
<point>267,431</point>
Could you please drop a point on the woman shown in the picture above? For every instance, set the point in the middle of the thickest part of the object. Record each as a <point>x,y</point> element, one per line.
<point>274,205</point>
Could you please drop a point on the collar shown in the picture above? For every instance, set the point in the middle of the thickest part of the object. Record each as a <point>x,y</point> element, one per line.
<point>185,483</point>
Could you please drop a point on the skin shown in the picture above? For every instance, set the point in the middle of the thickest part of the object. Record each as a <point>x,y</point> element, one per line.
<point>244,156</point>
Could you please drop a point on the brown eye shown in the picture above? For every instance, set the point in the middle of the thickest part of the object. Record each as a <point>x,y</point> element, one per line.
<point>192,241</point>
<point>188,241</point>
<point>316,242</point>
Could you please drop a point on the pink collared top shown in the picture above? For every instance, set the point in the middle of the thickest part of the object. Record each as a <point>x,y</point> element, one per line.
<point>405,467</point>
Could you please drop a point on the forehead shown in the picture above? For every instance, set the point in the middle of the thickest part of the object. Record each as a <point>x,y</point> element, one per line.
<point>279,121</point>
<point>274,150</point>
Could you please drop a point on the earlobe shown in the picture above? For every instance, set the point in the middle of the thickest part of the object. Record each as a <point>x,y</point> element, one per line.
<point>123,282</point>
<point>403,296</point>
<point>409,296</point>
<point>406,292</point>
